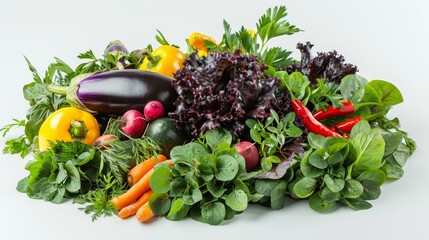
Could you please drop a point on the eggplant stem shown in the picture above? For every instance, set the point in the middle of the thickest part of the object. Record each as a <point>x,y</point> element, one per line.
<point>55,88</point>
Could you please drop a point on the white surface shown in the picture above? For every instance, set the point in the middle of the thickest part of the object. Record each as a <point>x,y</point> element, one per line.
<point>386,39</point>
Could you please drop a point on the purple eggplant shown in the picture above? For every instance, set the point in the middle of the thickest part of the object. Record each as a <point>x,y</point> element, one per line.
<point>115,92</point>
<point>114,47</point>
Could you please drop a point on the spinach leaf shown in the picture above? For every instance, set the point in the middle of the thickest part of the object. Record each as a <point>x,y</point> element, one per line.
<point>305,187</point>
<point>367,151</point>
<point>320,205</point>
<point>352,87</point>
<point>388,94</point>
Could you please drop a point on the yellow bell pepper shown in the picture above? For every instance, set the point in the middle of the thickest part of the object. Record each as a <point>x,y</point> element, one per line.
<point>165,60</point>
<point>197,39</point>
<point>68,124</point>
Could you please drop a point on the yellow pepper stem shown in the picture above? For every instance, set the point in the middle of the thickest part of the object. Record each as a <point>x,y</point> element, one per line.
<point>153,60</point>
<point>77,130</point>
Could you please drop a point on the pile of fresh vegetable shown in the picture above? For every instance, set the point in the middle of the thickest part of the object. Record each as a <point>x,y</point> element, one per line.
<point>204,133</point>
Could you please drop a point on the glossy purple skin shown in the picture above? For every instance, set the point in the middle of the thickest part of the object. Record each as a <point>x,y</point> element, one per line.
<point>116,46</point>
<point>115,92</point>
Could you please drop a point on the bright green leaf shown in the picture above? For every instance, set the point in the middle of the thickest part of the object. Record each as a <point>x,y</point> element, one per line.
<point>237,200</point>
<point>226,168</point>
<point>213,213</point>
<point>305,187</point>
<point>334,184</point>
<point>72,183</point>
<point>161,179</point>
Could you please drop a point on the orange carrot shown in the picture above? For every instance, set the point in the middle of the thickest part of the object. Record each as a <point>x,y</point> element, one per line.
<point>135,191</point>
<point>137,172</point>
<point>132,208</point>
<point>145,213</point>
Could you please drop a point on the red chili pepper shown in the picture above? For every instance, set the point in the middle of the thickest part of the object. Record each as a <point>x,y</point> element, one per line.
<point>347,125</point>
<point>331,111</point>
<point>310,122</point>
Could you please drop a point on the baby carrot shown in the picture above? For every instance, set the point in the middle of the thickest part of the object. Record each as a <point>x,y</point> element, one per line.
<point>137,172</point>
<point>132,208</point>
<point>145,213</point>
<point>135,191</point>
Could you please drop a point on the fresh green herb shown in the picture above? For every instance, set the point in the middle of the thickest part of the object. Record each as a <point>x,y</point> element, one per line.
<point>161,39</point>
<point>61,172</point>
<point>19,145</point>
<point>271,136</point>
<point>270,25</point>
<point>97,200</point>
<point>320,95</point>
<point>273,24</point>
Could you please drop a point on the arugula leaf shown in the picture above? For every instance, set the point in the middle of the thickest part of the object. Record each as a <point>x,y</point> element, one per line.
<point>36,77</point>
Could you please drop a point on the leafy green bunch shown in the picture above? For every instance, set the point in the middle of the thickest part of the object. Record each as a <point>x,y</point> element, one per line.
<point>55,174</point>
<point>346,171</point>
<point>270,25</point>
<point>205,181</point>
<point>75,170</point>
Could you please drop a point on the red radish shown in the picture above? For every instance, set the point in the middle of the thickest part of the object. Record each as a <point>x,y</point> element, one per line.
<point>153,110</point>
<point>104,140</point>
<point>133,123</point>
<point>250,153</point>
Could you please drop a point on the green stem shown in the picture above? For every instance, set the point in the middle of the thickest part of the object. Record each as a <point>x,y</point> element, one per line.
<point>78,130</point>
<point>58,89</point>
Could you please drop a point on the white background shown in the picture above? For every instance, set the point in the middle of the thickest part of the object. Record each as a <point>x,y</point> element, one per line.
<point>386,39</point>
